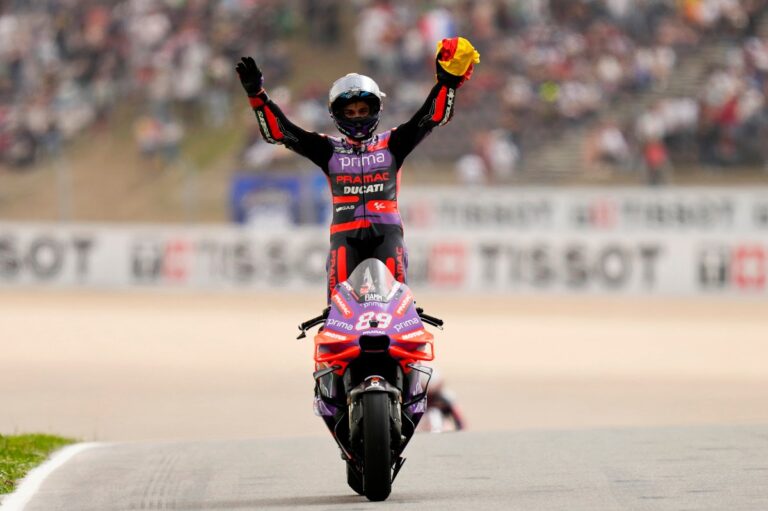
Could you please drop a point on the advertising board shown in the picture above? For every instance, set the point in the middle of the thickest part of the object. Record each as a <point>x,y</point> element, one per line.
<point>578,210</point>
<point>231,258</point>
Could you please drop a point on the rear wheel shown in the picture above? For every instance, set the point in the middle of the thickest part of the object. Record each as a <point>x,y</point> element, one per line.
<point>377,459</point>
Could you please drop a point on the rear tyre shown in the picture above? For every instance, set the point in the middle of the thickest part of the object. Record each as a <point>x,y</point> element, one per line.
<point>355,478</point>
<point>377,455</point>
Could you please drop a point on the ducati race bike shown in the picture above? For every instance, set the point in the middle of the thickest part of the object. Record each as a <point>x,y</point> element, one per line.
<point>370,383</point>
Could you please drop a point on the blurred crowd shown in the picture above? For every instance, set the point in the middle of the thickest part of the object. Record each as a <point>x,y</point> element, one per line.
<point>551,65</point>
<point>724,125</point>
<point>67,66</point>
<point>548,66</point>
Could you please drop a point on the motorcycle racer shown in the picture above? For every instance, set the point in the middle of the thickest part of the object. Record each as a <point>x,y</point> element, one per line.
<point>442,409</point>
<point>363,168</point>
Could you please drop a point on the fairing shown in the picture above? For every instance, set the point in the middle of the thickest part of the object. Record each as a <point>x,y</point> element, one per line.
<point>372,303</point>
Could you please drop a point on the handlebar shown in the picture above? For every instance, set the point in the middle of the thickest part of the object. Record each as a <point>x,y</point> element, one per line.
<point>426,318</point>
<point>313,322</point>
<point>431,320</point>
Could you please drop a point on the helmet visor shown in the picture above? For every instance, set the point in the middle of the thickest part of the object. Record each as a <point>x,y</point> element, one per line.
<point>347,98</point>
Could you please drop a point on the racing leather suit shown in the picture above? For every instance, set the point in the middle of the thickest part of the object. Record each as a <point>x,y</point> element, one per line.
<point>364,178</point>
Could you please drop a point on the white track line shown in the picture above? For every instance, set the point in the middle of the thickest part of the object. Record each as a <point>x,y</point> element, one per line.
<point>31,483</point>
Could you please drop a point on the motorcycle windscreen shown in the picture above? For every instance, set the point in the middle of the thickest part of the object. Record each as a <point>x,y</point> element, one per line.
<point>372,281</point>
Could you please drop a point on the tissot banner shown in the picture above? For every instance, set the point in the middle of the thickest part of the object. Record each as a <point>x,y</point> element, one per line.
<point>620,210</point>
<point>717,263</point>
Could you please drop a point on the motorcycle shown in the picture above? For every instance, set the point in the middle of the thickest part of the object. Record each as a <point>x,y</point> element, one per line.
<point>370,383</point>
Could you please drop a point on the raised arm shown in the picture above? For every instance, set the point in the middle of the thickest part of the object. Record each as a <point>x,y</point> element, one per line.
<point>436,111</point>
<point>275,127</point>
<point>454,65</point>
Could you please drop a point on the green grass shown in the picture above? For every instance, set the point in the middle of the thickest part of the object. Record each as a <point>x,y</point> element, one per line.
<point>21,453</point>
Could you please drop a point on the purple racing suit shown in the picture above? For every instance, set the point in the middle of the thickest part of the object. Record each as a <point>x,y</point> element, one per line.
<point>364,178</point>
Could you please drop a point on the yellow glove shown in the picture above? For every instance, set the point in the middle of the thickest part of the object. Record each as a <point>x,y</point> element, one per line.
<point>455,61</point>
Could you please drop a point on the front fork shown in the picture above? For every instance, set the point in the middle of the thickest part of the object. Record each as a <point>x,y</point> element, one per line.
<point>356,417</point>
<point>341,409</point>
<point>355,401</point>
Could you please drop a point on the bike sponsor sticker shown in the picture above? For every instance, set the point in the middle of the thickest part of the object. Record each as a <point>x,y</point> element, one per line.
<point>382,320</point>
<point>413,335</point>
<point>395,288</point>
<point>374,305</point>
<point>402,307</point>
<point>341,305</point>
<point>343,325</point>
<point>405,324</point>
<point>334,335</point>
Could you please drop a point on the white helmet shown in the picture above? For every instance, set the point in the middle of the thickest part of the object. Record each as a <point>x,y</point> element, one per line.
<point>350,88</point>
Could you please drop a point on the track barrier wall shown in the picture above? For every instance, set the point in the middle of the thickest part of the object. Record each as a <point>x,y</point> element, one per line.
<point>624,241</point>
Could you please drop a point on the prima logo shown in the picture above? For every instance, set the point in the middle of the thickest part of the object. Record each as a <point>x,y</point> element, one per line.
<point>362,161</point>
<point>406,324</point>
<point>343,325</point>
<point>366,305</point>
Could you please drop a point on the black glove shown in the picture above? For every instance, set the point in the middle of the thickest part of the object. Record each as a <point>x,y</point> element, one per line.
<point>445,77</point>
<point>250,76</point>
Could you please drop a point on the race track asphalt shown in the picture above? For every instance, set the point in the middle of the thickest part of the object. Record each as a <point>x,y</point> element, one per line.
<point>204,402</point>
<point>681,469</point>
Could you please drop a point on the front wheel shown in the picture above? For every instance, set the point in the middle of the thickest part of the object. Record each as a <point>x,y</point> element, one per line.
<point>377,454</point>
